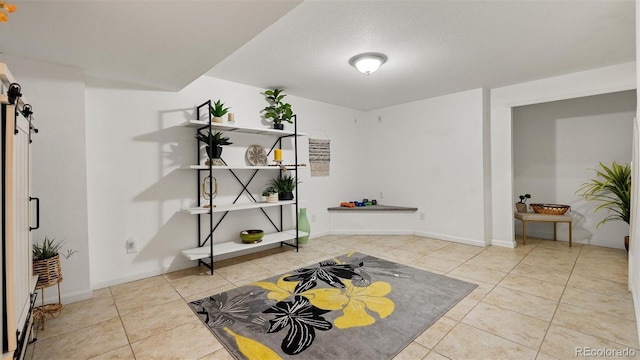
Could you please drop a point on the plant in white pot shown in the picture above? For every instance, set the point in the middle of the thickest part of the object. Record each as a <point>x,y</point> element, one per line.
<point>611,187</point>
<point>271,194</point>
<point>521,205</point>
<point>218,111</point>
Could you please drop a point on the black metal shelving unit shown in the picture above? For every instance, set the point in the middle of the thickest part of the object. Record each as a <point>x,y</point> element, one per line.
<point>207,238</point>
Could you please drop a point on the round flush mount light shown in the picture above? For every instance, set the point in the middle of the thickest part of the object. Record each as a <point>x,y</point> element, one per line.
<point>368,63</point>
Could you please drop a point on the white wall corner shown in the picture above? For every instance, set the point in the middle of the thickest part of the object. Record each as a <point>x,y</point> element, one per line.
<point>502,243</point>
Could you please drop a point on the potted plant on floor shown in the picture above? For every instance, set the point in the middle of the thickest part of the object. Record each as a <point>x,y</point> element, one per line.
<point>278,111</point>
<point>46,265</point>
<point>218,111</point>
<point>217,141</point>
<point>285,185</point>
<point>611,187</point>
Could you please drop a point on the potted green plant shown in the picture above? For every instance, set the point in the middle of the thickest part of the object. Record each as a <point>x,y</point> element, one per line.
<point>271,194</point>
<point>217,140</point>
<point>278,111</point>
<point>46,261</point>
<point>521,205</point>
<point>218,111</point>
<point>611,187</point>
<point>285,185</point>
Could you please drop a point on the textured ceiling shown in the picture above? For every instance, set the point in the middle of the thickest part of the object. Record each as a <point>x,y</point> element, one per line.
<point>158,44</point>
<point>434,47</point>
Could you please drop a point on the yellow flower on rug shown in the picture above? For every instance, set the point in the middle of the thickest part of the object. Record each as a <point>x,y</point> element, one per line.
<point>280,290</point>
<point>355,303</point>
<point>253,349</point>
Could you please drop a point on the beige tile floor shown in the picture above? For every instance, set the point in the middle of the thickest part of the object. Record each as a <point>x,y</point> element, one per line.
<point>538,301</point>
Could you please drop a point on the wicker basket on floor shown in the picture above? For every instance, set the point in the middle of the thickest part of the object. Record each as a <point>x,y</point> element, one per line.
<point>550,209</point>
<point>49,271</point>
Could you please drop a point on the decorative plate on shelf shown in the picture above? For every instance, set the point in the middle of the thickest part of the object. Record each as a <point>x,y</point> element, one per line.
<point>256,155</point>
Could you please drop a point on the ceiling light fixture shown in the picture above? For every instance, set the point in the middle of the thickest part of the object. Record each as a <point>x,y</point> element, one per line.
<point>368,63</point>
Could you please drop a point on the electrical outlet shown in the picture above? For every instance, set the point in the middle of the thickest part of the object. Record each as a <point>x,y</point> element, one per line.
<point>422,217</point>
<point>381,195</point>
<point>313,217</point>
<point>131,245</point>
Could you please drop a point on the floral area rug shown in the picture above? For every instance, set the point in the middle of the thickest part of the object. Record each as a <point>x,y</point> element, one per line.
<point>353,306</point>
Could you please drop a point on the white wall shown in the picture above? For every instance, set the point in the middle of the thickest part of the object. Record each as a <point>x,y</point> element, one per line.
<point>429,154</point>
<point>58,166</point>
<point>556,145</point>
<point>592,82</point>
<point>634,234</point>
<point>135,187</point>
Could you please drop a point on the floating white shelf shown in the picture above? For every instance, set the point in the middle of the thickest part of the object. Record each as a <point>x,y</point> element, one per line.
<point>233,246</point>
<point>234,207</point>
<point>239,128</point>
<point>206,167</point>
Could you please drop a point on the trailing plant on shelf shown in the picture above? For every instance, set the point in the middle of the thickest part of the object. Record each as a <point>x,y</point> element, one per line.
<point>217,140</point>
<point>50,248</point>
<point>218,110</point>
<point>611,187</point>
<point>285,185</point>
<point>278,111</point>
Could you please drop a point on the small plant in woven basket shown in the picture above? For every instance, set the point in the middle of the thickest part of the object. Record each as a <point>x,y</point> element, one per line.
<point>50,248</point>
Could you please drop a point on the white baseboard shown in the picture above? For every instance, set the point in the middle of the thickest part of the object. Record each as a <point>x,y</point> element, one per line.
<point>178,266</point>
<point>455,239</point>
<point>503,243</point>
<point>143,275</point>
<point>51,296</point>
<point>371,232</point>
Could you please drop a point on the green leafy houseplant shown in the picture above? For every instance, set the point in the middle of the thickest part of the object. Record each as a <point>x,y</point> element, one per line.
<point>284,185</point>
<point>611,187</point>
<point>50,248</point>
<point>278,111</point>
<point>269,190</point>
<point>218,109</point>
<point>217,140</point>
<point>271,194</point>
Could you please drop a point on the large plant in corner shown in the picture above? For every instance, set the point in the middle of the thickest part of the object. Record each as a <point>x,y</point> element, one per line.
<point>611,188</point>
<point>278,111</point>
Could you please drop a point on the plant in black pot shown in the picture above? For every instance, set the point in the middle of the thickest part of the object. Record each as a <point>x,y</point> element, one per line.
<point>218,111</point>
<point>285,185</point>
<point>214,152</point>
<point>278,111</point>
<point>611,187</point>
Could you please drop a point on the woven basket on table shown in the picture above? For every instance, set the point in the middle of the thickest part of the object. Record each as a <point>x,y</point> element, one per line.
<point>49,272</point>
<point>550,209</point>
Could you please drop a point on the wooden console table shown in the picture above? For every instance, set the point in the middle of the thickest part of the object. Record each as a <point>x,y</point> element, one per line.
<point>555,219</point>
